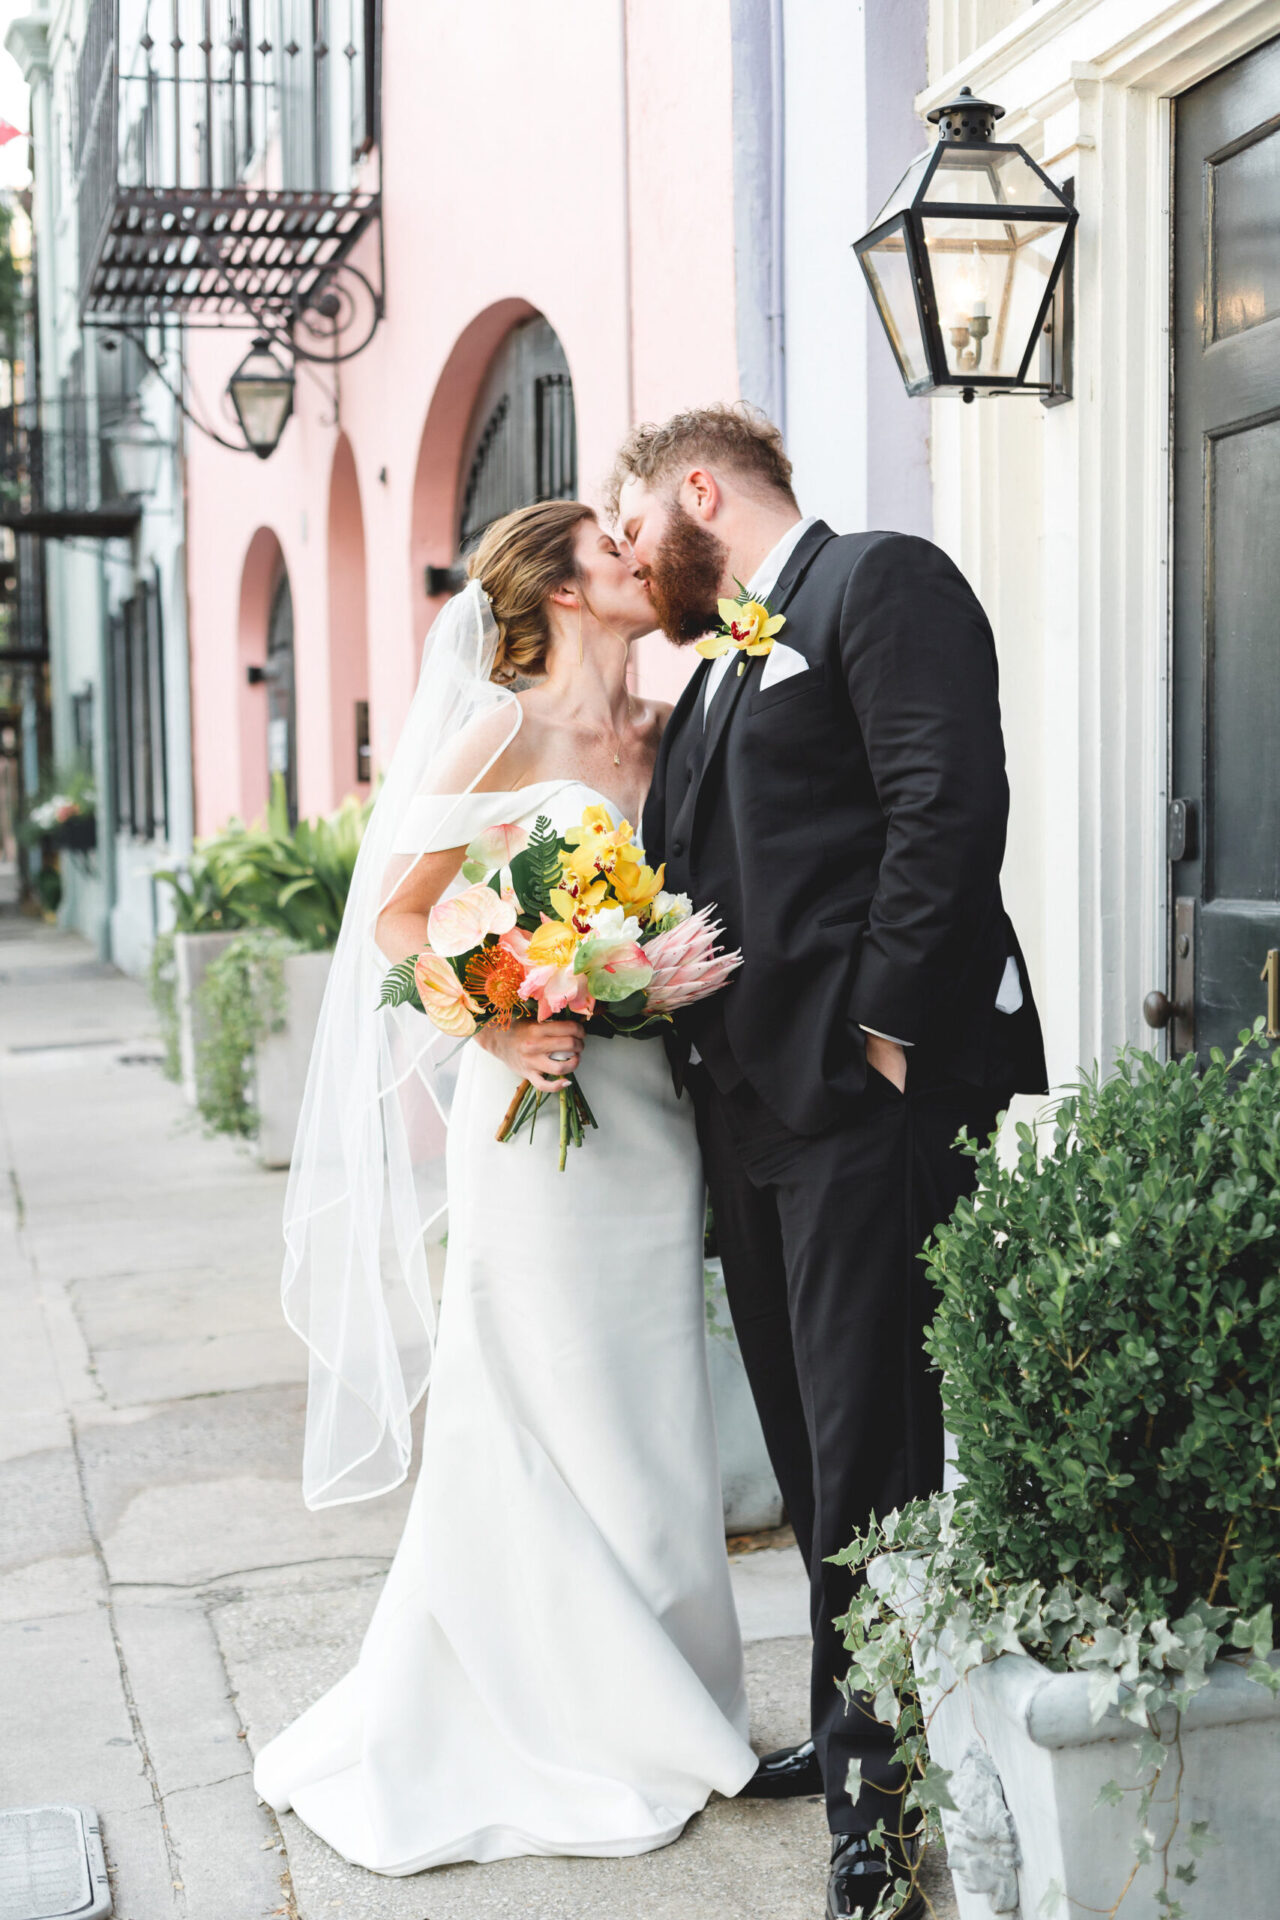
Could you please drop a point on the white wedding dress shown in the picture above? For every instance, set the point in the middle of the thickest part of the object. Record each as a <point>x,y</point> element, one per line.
<point>554,1665</point>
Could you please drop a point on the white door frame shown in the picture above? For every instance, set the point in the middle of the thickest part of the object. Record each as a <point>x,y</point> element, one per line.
<point>1061,517</point>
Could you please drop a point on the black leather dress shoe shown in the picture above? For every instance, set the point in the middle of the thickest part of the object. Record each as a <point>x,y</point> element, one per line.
<point>785,1775</point>
<point>859,1874</point>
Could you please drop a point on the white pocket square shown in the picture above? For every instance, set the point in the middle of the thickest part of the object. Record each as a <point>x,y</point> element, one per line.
<point>781,663</point>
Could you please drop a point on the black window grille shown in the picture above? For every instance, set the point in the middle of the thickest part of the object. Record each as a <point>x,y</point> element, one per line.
<point>82,725</point>
<point>364,752</point>
<point>139,748</point>
<point>557,438</point>
<point>523,445</point>
<point>490,491</point>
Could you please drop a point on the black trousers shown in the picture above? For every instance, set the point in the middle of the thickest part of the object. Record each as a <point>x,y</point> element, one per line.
<point>819,1237</point>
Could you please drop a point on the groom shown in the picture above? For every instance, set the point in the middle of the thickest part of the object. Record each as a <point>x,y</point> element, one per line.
<point>843,802</point>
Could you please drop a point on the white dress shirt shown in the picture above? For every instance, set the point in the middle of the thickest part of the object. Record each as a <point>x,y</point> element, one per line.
<point>759,587</point>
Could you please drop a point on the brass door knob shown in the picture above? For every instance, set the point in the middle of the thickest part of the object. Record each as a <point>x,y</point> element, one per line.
<point>1157,1009</point>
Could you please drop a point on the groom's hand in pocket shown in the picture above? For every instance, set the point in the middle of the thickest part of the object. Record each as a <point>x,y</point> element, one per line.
<point>543,1052</point>
<point>888,1059</point>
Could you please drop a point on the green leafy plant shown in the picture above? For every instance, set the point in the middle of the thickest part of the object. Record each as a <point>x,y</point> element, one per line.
<point>241,999</point>
<point>1108,1319</point>
<point>294,881</point>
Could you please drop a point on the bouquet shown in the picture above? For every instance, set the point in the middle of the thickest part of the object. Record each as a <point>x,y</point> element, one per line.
<point>571,927</point>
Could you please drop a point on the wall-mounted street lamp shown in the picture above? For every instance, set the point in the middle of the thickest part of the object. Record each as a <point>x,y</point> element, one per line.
<point>136,451</point>
<point>964,259</point>
<point>261,390</point>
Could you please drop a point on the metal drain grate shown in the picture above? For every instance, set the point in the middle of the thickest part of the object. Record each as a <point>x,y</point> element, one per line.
<point>51,1865</point>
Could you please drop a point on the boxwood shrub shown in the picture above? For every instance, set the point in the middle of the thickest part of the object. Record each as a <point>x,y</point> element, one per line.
<point>1109,1332</point>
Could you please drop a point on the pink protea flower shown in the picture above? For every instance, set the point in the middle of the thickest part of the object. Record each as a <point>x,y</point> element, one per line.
<point>686,965</point>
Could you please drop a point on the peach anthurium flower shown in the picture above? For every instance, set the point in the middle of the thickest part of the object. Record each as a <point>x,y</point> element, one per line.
<point>447,1003</point>
<point>557,990</point>
<point>497,846</point>
<point>462,922</point>
<point>614,969</point>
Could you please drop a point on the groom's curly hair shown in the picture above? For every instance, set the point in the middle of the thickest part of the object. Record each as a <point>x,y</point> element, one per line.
<point>738,437</point>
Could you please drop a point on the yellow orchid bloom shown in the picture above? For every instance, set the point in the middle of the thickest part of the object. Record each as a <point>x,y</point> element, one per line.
<point>574,901</point>
<point>553,945</point>
<point>638,886</point>
<point>714,645</point>
<point>751,625</point>
<point>598,829</point>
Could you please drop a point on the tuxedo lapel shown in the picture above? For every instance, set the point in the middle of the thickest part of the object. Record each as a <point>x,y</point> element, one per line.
<point>727,698</point>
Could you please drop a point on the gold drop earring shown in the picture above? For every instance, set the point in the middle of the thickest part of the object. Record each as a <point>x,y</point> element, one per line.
<point>579,633</point>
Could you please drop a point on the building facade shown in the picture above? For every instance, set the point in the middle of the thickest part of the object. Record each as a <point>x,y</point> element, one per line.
<point>609,212</point>
<point>1123,543</point>
<point>112,562</point>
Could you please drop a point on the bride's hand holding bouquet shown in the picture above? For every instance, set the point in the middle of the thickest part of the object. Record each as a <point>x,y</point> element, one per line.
<point>575,930</point>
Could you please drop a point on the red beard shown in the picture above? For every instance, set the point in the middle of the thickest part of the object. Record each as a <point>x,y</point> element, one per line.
<point>684,580</point>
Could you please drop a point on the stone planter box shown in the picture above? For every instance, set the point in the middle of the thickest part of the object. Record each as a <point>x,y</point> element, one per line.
<point>280,1068</point>
<point>192,954</point>
<point>751,1497</point>
<point>1027,1764</point>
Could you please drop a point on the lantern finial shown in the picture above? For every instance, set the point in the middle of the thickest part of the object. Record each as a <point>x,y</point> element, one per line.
<point>965,118</point>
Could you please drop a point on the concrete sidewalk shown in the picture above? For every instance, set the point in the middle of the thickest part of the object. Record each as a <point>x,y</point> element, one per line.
<point>166,1601</point>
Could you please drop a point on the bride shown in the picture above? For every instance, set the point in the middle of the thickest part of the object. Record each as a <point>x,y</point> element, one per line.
<point>554,1664</point>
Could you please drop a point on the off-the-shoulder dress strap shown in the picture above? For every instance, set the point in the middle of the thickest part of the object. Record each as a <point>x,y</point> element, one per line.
<point>435,822</point>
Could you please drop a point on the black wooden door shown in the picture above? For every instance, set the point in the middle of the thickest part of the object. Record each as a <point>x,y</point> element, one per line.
<point>1225,819</point>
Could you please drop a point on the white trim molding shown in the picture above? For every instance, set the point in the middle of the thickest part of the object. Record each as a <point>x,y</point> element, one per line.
<point>1060,516</point>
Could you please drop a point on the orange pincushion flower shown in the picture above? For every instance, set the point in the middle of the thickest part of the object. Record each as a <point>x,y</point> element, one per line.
<point>494,974</point>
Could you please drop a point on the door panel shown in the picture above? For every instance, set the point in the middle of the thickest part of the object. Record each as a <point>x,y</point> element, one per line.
<point>1225,872</point>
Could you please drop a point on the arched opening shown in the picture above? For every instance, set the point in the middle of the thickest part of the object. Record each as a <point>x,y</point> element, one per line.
<point>260,580</point>
<point>499,433</point>
<point>348,629</point>
<point>282,704</point>
<point>523,441</point>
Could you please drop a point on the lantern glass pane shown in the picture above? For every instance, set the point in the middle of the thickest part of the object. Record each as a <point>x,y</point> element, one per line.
<point>263,406</point>
<point>905,191</point>
<point>989,278</point>
<point>988,176</point>
<point>887,265</point>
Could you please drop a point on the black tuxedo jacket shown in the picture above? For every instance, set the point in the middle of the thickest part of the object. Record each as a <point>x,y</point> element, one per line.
<point>849,824</point>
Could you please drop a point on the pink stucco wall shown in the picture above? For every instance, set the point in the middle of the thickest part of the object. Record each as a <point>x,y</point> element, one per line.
<point>536,159</point>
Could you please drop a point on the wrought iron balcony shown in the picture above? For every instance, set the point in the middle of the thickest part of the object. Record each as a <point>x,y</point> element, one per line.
<point>57,478</point>
<point>218,152</point>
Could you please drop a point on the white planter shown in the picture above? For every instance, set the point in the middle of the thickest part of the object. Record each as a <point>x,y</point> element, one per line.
<point>281,1060</point>
<point>751,1497</point>
<point>192,954</point>
<point>1027,1764</point>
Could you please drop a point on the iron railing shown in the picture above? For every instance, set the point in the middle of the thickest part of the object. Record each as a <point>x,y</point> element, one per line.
<point>57,478</point>
<point>216,153</point>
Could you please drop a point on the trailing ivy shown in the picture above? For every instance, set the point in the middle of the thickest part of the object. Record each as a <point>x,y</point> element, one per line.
<point>241,999</point>
<point>162,981</point>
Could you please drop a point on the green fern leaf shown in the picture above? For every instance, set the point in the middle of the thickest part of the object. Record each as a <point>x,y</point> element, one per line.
<point>537,870</point>
<point>400,989</point>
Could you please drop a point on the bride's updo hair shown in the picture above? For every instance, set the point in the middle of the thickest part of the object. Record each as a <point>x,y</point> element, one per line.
<point>520,561</point>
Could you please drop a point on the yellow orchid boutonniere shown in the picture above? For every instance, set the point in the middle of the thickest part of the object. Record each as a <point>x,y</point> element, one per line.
<point>749,629</point>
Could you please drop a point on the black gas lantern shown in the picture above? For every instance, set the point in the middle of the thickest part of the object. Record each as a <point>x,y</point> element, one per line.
<point>964,259</point>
